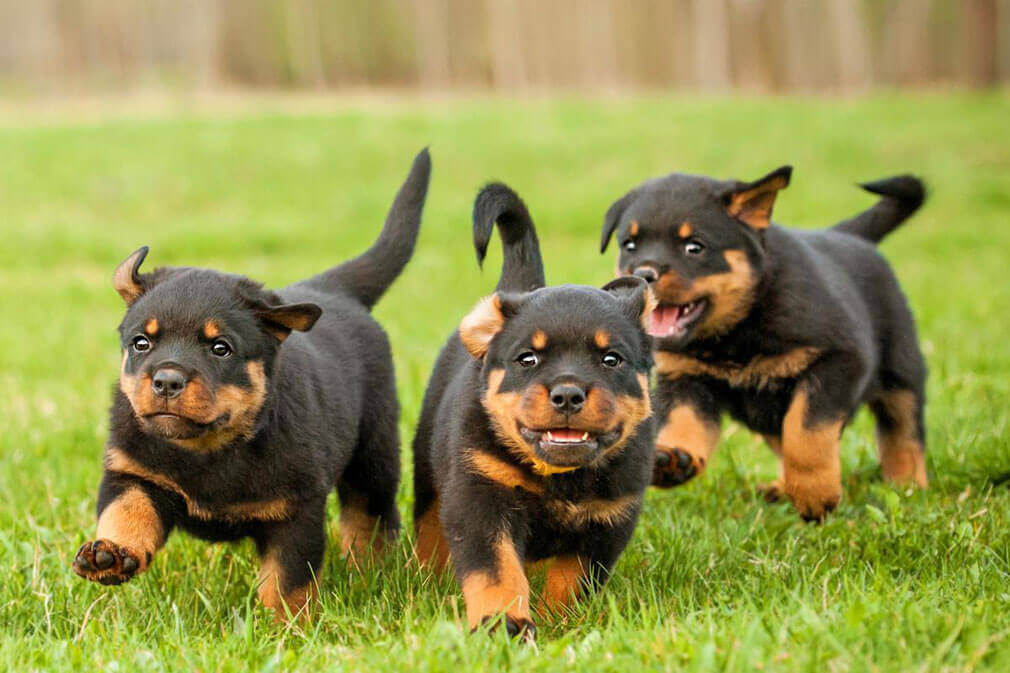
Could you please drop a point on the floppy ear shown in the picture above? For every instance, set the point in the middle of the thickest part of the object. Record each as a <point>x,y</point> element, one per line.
<point>485,321</point>
<point>613,217</point>
<point>127,280</point>
<point>636,297</point>
<point>281,320</point>
<point>751,203</point>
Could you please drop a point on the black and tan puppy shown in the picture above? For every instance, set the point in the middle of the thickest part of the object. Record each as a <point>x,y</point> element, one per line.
<point>787,331</point>
<point>232,419</point>
<point>535,441</point>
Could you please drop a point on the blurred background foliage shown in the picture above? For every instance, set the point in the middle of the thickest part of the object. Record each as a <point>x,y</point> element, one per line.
<point>79,46</point>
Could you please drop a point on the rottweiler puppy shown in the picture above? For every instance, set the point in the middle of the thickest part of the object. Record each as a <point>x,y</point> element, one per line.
<point>789,332</point>
<point>535,441</point>
<point>231,419</point>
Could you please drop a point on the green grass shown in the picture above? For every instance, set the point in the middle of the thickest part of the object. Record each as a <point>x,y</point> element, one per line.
<point>714,579</point>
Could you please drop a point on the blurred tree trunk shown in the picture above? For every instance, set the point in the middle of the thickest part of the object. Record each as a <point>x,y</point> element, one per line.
<point>979,27</point>
<point>851,45</point>
<point>431,26</point>
<point>710,41</point>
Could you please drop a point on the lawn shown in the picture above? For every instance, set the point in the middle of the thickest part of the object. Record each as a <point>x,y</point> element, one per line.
<point>714,578</point>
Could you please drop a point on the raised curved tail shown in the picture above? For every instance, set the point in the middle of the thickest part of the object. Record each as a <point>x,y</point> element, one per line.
<point>369,275</point>
<point>522,266</point>
<point>901,196</point>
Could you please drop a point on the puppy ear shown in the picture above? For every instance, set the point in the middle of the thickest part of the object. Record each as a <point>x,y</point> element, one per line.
<point>280,321</point>
<point>613,217</point>
<point>126,279</point>
<point>636,297</point>
<point>485,321</point>
<point>752,202</point>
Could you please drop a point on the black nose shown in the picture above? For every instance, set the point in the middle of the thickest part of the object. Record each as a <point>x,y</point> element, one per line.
<point>647,272</point>
<point>567,398</point>
<point>168,383</point>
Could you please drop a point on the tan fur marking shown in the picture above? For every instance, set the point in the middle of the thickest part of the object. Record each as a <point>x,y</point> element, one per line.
<point>203,405</point>
<point>685,429</point>
<point>648,306</point>
<point>501,472</point>
<point>279,509</point>
<point>211,330</point>
<point>754,206</point>
<point>902,459</point>
<point>811,466</point>
<point>505,590</point>
<point>633,228</point>
<point>757,373</point>
<point>594,511</point>
<point>151,327</point>
<point>685,230</point>
<point>130,521</point>
<point>601,338</point>
<point>480,326</point>
<point>563,581</point>
<point>122,279</point>
<point>539,340</point>
<point>271,581</point>
<point>431,546</point>
<point>359,535</point>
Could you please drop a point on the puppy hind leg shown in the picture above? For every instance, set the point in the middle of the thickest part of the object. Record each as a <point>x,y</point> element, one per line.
<point>901,437</point>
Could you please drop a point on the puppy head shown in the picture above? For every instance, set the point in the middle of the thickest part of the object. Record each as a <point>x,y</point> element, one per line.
<point>198,347</point>
<point>699,242</point>
<point>565,370</point>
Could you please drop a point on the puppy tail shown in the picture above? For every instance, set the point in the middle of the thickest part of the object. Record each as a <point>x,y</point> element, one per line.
<point>901,196</point>
<point>369,275</point>
<point>522,267</point>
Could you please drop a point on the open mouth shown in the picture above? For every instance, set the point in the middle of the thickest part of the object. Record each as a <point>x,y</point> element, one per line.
<point>566,447</point>
<point>674,320</point>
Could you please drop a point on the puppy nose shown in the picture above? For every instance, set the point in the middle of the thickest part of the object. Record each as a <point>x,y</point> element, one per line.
<point>168,382</point>
<point>649,273</point>
<point>567,398</point>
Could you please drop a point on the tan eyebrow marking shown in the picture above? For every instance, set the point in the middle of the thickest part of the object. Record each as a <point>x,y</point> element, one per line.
<point>602,338</point>
<point>685,230</point>
<point>151,326</point>
<point>539,340</point>
<point>633,228</point>
<point>211,330</point>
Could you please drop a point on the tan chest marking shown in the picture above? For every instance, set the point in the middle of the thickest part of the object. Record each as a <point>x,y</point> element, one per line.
<point>593,511</point>
<point>757,373</point>
<point>277,509</point>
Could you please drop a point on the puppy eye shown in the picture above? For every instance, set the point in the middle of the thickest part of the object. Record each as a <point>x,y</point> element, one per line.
<point>221,348</point>
<point>141,344</point>
<point>612,359</point>
<point>694,248</point>
<point>630,246</point>
<point>528,359</point>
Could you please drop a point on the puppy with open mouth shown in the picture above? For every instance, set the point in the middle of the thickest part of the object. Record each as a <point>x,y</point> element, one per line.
<point>232,419</point>
<point>787,331</point>
<point>535,441</point>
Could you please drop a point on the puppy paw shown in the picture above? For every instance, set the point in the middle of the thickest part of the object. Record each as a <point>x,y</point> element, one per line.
<point>813,503</point>
<point>772,491</point>
<point>517,627</point>
<point>675,466</point>
<point>106,562</point>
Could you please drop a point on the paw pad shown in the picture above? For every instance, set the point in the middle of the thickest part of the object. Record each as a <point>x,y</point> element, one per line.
<point>105,562</point>
<point>675,466</point>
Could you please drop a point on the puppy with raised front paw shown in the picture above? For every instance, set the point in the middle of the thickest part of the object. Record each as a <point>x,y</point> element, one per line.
<point>238,410</point>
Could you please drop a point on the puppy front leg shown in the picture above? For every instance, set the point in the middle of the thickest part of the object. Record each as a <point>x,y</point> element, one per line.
<point>291,556</point>
<point>134,519</point>
<point>494,582</point>
<point>811,466</point>
<point>688,417</point>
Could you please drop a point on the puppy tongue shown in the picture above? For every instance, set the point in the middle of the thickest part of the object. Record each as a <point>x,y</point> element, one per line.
<point>664,320</point>
<point>566,435</point>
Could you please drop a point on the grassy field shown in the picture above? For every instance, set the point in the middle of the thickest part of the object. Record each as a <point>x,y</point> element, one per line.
<point>714,579</point>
